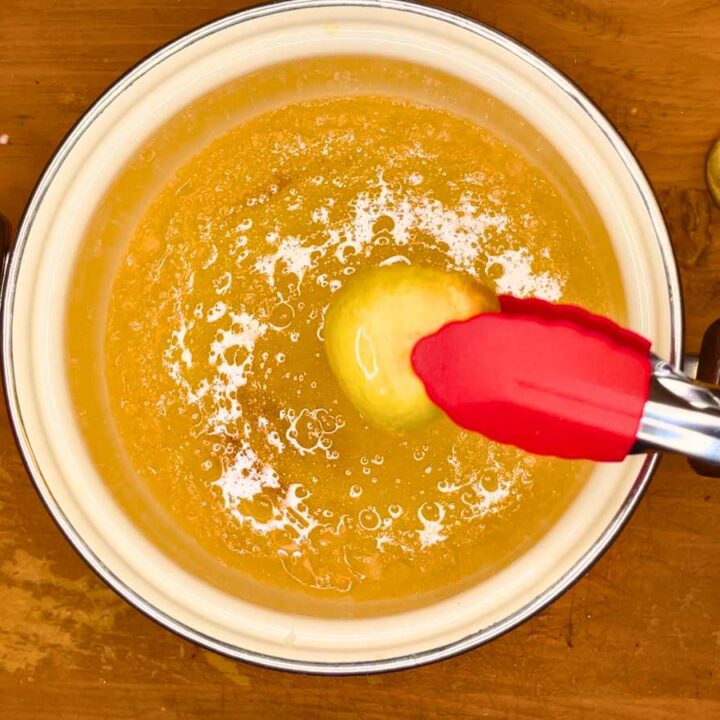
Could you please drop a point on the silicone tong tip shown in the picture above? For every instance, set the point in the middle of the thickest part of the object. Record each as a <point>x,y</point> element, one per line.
<point>548,378</point>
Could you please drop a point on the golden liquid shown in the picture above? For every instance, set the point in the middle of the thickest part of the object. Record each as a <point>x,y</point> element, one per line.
<point>215,375</point>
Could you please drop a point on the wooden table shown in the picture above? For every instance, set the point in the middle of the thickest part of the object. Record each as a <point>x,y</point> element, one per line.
<point>639,637</point>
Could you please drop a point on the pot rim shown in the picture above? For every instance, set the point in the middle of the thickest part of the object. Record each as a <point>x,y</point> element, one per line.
<point>12,265</point>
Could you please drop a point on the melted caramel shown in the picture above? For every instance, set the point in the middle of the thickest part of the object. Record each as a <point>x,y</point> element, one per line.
<point>217,384</point>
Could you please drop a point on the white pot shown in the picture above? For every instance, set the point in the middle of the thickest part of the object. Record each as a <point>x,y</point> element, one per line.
<point>51,231</point>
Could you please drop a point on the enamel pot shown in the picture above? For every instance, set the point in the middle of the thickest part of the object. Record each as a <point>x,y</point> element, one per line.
<point>38,273</point>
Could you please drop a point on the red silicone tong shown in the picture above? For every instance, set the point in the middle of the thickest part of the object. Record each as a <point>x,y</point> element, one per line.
<point>557,380</point>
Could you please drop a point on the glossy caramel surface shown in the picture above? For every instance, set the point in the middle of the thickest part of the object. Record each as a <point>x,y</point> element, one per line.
<point>221,398</point>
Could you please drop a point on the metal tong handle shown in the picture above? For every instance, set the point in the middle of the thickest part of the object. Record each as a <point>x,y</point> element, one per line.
<point>682,415</point>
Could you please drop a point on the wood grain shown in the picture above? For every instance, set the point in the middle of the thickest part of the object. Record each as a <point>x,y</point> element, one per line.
<point>639,637</point>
